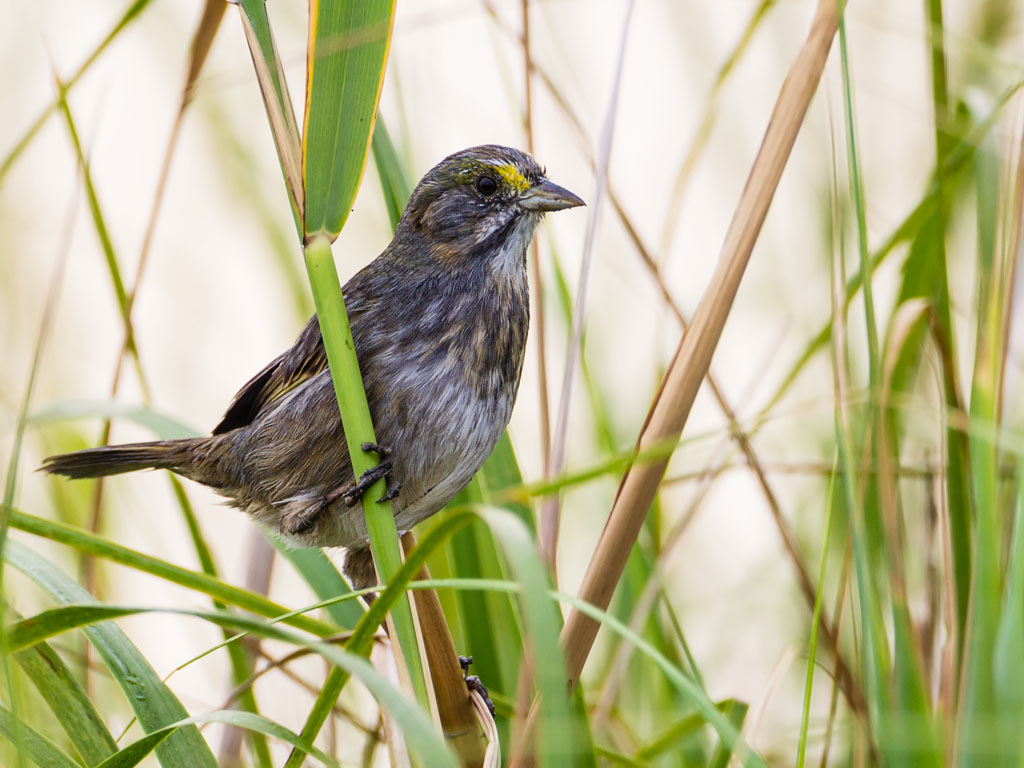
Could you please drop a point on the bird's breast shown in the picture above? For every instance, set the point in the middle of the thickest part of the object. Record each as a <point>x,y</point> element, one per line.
<point>442,387</point>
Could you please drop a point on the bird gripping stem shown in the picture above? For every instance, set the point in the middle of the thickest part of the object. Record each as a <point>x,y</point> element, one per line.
<point>355,418</point>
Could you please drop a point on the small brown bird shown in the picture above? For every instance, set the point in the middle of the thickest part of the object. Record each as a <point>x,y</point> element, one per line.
<point>439,321</point>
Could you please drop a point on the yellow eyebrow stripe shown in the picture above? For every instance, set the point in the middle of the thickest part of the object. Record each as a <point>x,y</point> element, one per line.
<point>512,176</point>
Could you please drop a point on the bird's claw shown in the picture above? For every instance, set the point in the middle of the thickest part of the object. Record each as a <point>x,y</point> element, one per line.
<point>392,491</point>
<point>306,519</point>
<point>353,493</point>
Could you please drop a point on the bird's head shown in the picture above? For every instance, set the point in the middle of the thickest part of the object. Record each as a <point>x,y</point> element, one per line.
<point>482,201</point>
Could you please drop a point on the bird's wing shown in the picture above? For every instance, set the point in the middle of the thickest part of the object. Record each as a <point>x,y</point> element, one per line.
<point>299,363</point>
<point>304,359</point>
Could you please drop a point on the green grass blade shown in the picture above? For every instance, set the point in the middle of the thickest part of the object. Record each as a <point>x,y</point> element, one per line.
<point>68,701</point>
<point>493,624</point>
<point>83,615</point>
<point>89,543</point>
<point>559,735</point>
<point>868,546</point>
<point>276,99</point>
<point>394,182</point>
<point>978,711</point>
<point>40,749</point>
<point>832,501</point>
<point>501,473</point>
<point>706,708</point>
<point>1008,656</point>
<point>680,730</point>
<point>99,220</point>
<point>355,415</point>
<point>735,712</point>
<point>152,701</point>
<point>160,424</point>
<point>346,56</point>
<point>130,14</point>
<point>134,753</point>
<point>361,640</point>
<point>325,581</point>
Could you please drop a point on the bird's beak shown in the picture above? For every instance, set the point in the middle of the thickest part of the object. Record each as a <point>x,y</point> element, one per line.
<point>547,196</point>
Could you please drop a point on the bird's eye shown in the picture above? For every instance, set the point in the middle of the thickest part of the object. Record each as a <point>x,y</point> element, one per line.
<point>486,186</point>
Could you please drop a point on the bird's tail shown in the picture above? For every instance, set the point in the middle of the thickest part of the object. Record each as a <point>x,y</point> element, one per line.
<point>174,455</point>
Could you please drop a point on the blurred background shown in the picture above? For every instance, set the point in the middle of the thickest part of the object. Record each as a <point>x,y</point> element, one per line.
<point>223,289</point>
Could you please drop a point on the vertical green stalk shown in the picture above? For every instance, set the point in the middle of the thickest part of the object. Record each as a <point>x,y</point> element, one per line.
<point>858,500</point>
<point>957,475</point>
<point>348,387</point>
<point>816,618</point>
<point>978,713</point>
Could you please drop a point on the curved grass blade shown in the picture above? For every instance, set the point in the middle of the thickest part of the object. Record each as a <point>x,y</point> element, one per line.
<point>978,713</point>
<point>710,712</point>
<point>325,581</point>
<point>102,231</point>
<point>96,545</point>
<point>394,182</point>
<point>137,751</point>
<point>361,639</point>
<point>163,426</point>
<point>152,701</point>
<point>418,728</point>
<point>727,732</point>
<point>346,57</point>
<point>276,99</point>
<point>68,701</point>
<point>560,742</point>
<point>40,749</point>
<point>1008,655</point>
<point>127,17</point>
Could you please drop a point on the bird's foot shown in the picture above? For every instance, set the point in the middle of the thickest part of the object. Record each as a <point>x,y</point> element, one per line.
<point>473,682</point>
<point>305,519</point>
<point>351,493</point>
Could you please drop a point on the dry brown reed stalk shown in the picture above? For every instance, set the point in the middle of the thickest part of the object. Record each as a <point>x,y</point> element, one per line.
<point>455,707</point>
<point>742,437</point>
<point>692,360</point>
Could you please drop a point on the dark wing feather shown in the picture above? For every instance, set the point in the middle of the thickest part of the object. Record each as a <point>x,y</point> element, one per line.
<point>304,359</point>
<point>301,362</point>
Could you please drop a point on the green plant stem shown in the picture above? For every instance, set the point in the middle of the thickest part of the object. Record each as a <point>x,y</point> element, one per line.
<point>812,650</point>
<point>355,415</point>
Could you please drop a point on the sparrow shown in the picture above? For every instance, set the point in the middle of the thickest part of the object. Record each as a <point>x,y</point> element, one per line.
<point>439,321</point>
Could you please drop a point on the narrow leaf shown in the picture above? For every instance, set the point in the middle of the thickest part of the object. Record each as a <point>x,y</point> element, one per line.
<point>348,49</point>
<point>152,701</point>
<point>274,88</point>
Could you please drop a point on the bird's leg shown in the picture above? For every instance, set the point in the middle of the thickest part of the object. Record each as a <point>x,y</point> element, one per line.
<point>305,520</point>
<point>358,569</point>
